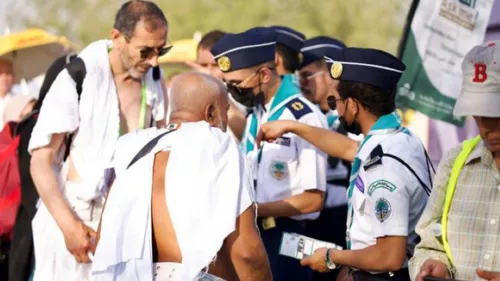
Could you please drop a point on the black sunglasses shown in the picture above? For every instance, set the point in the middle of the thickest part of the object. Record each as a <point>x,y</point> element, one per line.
<point>149,52</point>
<point>332,102</point>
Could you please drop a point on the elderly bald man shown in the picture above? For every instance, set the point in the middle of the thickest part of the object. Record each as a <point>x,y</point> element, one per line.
<point>181,195</point>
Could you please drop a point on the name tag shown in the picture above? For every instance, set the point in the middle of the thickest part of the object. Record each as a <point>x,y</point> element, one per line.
<point>284,141</point>
<point>298,246</point>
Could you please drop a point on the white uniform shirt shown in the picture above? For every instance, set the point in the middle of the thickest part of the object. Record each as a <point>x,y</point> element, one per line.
<point>387,199</point>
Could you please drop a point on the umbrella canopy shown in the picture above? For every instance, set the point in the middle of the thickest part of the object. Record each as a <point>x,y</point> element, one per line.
<point>32,51</point>
<point>182,51</point>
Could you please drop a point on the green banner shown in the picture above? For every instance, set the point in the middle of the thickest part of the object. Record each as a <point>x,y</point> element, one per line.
<point>441,33</point>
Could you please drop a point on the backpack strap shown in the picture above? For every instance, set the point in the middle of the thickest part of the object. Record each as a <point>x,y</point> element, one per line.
<point>77,71</point>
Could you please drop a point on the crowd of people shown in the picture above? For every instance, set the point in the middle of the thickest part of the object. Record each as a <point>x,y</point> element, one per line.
<point>127,177</point>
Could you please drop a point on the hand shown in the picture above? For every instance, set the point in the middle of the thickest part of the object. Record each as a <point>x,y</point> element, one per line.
<point>272,130</point>
<point>433,268</point>
<point>78,241</point>
<point>317,261</point>
<point>488,275</point>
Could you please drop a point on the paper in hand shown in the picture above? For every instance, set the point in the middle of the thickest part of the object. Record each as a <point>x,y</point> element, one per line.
<point>299,246</point>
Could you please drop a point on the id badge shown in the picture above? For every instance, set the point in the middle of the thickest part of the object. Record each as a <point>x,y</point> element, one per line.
<point>298,246</point>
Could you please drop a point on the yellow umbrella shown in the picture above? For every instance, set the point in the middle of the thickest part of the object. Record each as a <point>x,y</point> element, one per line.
<point>32,51</point>
<point>182,51</point>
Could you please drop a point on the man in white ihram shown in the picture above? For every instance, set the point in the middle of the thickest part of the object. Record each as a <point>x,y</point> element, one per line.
<point>118,95</point>
<point>181,195</point>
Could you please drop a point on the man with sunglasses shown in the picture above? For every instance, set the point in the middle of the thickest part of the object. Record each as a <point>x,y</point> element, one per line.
<point>316,85</point>
<point>119,94</point>
<point>391,173</point>
<point>289,173</point>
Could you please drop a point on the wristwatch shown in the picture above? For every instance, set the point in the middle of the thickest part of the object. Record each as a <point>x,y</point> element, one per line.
<point>329,264</point>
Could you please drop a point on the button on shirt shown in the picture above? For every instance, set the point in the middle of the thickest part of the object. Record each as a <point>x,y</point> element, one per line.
<point>473,218</point>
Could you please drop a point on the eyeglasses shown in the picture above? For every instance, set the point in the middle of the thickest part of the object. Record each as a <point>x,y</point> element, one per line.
<point>305,79</point>
<point>235,88</point>
<point>149,52</point>
<point>332,102</point>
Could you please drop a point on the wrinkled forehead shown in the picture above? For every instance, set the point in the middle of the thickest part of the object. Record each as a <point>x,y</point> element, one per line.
<point>152,34</point>
<point>6,67</point>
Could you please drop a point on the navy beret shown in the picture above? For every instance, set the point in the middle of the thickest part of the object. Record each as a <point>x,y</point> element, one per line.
<point>243,50</point>
<point>316,48</point>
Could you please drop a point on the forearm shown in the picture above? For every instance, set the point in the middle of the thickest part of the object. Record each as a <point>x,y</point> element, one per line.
<point>305,203</point>
<point>332,143</point>
<point>48,188</point>
<point>372,258</point>
<point>423,254</point>
<point>256,268</point>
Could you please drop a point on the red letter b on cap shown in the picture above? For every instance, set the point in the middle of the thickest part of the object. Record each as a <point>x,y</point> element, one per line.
<point>480,73</point>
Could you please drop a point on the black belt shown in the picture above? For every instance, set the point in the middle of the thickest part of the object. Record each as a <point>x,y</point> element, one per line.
<point>400,275</point>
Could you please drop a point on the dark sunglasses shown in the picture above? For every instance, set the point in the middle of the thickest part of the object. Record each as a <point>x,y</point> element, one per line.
<point>149,52</point>
<point>332,102</point>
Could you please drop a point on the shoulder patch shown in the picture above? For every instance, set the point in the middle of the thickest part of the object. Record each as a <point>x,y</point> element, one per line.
<point>298,108</point>
<point>375,158</point>
<point>383,210</point>
<point>381,184</point>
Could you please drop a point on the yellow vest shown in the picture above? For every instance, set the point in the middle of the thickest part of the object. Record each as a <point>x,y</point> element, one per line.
<point>467,147</point>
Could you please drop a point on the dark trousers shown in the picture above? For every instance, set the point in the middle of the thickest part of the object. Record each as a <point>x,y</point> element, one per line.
<point>21,255</point>
<point>284,268</point>
<point>330,226</point>
<point>400,275</point>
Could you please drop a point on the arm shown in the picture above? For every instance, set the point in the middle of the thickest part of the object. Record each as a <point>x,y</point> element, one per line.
<point>430,257</point>
<point>332,143</point>
<point>308,202</point>
<point>76,234</point>
<point>388,254</point>
<point>246,250</point>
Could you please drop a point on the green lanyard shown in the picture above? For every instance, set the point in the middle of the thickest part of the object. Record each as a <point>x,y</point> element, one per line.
<point>142,113</point>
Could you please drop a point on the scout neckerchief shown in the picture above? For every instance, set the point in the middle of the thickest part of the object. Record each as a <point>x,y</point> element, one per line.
<point>142,112</point>
<point>385,125</point>
<point>331,117</point>
<point>287,91</point>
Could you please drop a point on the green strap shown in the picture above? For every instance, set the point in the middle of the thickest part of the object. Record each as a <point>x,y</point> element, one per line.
<point>467,147</point>
<point>142,113</point>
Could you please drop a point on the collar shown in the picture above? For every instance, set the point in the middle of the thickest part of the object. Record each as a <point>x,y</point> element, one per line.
<point>385,126</point>
<point>285,93</point>
<point>480,152</point>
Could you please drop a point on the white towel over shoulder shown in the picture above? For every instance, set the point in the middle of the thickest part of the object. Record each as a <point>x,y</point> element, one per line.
<point>207,188</point>
<point>95,118</point>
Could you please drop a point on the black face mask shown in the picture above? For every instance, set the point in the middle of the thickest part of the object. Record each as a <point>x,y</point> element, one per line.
<point>245,96</point>
<point>354,128</point>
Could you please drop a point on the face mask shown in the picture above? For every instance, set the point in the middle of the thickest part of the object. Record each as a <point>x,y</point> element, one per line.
<point>354,128</point>
<point>246,97</point>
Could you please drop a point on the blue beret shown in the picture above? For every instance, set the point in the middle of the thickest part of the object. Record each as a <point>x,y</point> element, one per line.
<point>289,37</point>
<point>316,48</point>
<point>243,50</point>
<point>368,66</point>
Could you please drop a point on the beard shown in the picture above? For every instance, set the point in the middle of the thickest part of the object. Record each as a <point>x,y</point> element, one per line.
<point>127,64</point>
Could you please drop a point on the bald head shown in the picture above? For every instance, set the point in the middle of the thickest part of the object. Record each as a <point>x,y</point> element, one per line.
<point>196,96</point>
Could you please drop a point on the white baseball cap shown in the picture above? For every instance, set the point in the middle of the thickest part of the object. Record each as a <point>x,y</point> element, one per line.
<point>481,82</point>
